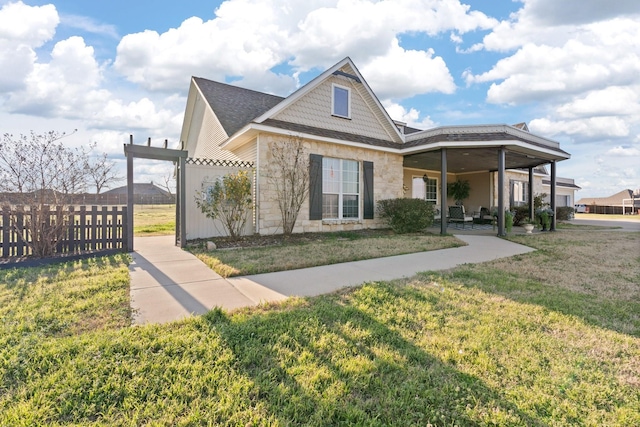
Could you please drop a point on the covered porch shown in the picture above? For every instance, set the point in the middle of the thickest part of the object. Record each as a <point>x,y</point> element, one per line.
<point>483,155</point>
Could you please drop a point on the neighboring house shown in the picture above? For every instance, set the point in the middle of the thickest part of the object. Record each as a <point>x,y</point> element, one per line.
<point>358,154</point>
<point>143,194</point>
<point>624,202</point>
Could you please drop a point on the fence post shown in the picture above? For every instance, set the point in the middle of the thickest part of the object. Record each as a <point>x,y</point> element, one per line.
<point>124,229</point>
<point>6,225</point>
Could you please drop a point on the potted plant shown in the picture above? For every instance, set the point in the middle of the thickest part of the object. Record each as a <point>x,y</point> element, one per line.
<point>508,220</point>
<point>459,190</point>
<point>545,219</point>
<point>528,225</point>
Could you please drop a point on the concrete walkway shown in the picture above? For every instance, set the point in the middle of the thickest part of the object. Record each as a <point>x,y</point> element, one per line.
<point>168,283</point>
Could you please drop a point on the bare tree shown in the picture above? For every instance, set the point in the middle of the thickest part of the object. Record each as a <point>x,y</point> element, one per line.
<point>288,173</point>
<point>168,179</point>
<point>101,172</point>
<point>40,172</point>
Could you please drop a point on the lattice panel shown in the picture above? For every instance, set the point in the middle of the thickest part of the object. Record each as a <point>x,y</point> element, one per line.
<point>219,162</point>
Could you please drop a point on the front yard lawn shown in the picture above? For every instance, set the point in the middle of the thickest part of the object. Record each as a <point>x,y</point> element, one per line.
<point>550,338</point>
<point>264,254</point>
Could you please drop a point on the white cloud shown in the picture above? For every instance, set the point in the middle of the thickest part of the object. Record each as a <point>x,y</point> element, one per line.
<point>89,25</point>
<point>66,86</point>
<point>553,12</point>
<point>403,73</point>
<point>590,128</point>
<point>615,100</point>
<point>411,117</point>
<point>142,115</point>
<point>620,151</point>
<point>28,25</point>
<point>22,29</point>
<point>579,60</point>
<point>250,38</point>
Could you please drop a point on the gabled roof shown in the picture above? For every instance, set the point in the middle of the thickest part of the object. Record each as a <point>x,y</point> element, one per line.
<point>615,200</point>
<point>140,188</point>
<point>235,106</point>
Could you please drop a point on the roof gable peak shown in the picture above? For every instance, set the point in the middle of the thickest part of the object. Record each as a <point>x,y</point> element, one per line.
<point>345,68</point>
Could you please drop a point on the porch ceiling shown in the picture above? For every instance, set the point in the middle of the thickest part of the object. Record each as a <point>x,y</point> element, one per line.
<point>466,160</point>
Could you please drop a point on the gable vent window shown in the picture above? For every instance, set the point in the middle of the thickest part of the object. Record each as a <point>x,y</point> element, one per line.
<point>341,101</point>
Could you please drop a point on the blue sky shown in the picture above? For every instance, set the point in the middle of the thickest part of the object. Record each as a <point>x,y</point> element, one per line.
<point>570,69</point>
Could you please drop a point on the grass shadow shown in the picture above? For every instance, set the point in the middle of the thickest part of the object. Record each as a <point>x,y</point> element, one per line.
<point>344,366</point>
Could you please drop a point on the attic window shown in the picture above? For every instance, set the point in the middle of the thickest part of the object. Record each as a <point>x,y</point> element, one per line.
<point>341,101</point>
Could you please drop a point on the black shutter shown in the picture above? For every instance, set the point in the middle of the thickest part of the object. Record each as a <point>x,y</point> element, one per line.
<point>315,186</point>
<point>367,181</point>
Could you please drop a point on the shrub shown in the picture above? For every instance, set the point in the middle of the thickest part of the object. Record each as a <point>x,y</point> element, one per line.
<point>564,213</point>
<point>406,215</point>
<point>228,199</point>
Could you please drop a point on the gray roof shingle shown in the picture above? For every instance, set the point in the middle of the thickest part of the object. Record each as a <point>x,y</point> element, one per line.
<point>235,106</point>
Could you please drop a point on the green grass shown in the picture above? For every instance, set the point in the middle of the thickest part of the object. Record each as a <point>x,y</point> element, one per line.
<point>325,249</point>
<point>154,220</point>
<point>509,342</point>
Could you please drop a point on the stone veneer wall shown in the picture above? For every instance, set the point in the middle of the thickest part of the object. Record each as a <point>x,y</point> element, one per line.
<point>519,176</point>
<point>387,184</point>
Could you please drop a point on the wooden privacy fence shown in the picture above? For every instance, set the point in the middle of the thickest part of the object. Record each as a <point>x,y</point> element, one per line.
<point>76,229</point>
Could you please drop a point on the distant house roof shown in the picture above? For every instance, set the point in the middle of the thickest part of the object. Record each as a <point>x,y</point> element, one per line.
<point>522,126</point>
<point>149,189</point>
<point>615,200</point>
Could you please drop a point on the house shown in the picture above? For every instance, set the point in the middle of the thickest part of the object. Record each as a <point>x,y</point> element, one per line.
<point>623,202</point>
<point>358,154</point>
<point>143,194</point>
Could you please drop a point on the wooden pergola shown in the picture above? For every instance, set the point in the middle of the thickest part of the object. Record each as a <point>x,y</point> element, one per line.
<point>178,157</point>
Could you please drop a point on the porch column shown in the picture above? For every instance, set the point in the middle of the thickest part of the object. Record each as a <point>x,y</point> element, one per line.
<point>531,212</point>
<point>443,191</point>
<point>129,197</point>
<point>182,188</point>
<point>553,196</point>
<point>501,162</point>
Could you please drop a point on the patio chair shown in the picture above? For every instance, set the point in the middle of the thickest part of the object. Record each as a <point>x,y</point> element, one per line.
<point>457,214</point>
<point>482,216</point>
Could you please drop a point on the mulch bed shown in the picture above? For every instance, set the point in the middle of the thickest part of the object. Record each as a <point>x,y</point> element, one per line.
<point>258,241</point>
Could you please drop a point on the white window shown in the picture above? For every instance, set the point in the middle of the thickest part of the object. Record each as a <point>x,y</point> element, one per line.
<point>519,193</point>
<point>341,101</point>
<point>340,188</point>
<point>425,189</point>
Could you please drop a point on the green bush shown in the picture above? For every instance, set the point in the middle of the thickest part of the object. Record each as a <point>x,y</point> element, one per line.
<point>564,213</point>
<point>406,215</point>
<point>508,221</point>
